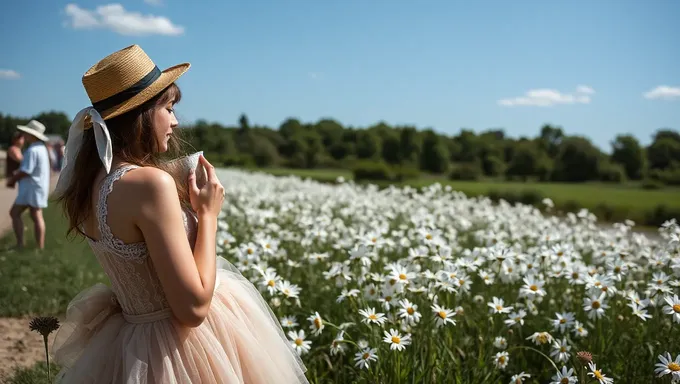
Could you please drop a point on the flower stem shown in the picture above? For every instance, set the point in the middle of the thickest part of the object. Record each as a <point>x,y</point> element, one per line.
<point>47,357</point>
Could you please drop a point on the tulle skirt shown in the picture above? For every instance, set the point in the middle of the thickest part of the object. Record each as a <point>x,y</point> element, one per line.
<point>239,342</point>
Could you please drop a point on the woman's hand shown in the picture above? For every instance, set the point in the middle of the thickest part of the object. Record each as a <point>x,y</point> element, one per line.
<point>207,200</point>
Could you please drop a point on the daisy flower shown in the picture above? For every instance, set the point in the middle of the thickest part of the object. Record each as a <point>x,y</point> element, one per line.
<point>564,320</point>
<point>409,312</point>
<point>597,374</point>
<point>299,343</point>
<point>501,359</point>
<point>539,338</point>
<point>500,342</point>
<point>579,330</point>
<point>316,325</point>
<point>595,306</point>
<point>396,340</point>
<point>364,357</point>
<point>519,378</point>
<point>497,306</point>
<point>401,274</point>
<point>560,350</point>
<point>564,377</point>
<point>532,287</point>
<point>291,291</point>
<point>345,294</point>
<point>673,307</point>
<point>442,316</point>
<point>668,366</point>
<point>516,318</point>
<point>289,322</point>
<point>337,346</point>
<point>370,316</point>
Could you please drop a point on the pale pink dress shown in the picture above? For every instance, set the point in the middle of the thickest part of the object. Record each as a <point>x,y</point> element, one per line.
<point>126,333</point>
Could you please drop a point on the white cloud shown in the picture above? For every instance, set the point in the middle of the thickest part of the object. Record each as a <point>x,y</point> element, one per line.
<point>585,89</point>
<point>549,97</point>
<point>117,19</point>
<point>154,2</point>
<point>9,74</point>
<point>663,92</point>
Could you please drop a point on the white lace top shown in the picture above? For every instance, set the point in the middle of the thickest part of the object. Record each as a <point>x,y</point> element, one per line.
<point>128,266</point>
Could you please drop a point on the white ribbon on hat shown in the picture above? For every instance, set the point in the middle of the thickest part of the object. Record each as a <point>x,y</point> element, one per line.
<point>74,142</point>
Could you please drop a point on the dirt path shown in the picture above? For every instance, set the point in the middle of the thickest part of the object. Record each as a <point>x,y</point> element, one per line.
<point>19,347</point>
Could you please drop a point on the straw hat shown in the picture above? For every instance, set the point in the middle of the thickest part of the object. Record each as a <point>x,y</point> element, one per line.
<point>35,128</point>
<point>125,80</point>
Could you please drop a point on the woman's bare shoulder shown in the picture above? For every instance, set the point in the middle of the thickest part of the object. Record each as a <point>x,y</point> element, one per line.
<point>146,183</point>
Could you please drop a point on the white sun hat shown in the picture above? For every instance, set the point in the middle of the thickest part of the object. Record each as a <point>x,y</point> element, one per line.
<point>35,128</point>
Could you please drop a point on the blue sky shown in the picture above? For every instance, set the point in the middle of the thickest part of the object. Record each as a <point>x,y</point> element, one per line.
<point>596,68</point>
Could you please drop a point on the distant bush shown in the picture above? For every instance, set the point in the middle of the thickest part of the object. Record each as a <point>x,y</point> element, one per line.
<point>466,171</point>
<point>530,196</point>
<point>405,172</point>
<point>651,184</point>
<point>612,173</point>
<point>669,176</point>
<point>372,170</point>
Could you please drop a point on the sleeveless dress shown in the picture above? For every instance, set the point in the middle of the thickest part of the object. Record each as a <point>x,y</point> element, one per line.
<point>126,333</point>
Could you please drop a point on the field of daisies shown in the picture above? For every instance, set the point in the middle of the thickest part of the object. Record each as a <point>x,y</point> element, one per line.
<point>428,286</point>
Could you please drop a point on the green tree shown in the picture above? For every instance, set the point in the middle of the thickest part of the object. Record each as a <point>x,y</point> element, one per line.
<point>434,156</point>
<point>627,151</point>
<point>577,160</point>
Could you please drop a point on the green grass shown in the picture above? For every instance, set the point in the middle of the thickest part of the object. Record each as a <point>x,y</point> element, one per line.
<point>42,283</point>
<point>31,375</point>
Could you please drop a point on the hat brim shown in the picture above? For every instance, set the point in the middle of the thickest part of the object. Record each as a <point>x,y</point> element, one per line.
<point>32,132</point>
<point>166,78</point>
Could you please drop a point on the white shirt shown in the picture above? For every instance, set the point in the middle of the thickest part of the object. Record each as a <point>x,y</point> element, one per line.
<point>34,188</point>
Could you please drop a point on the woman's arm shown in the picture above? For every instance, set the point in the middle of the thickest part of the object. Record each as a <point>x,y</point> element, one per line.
<point>15,153</point>
<point>188,278</point>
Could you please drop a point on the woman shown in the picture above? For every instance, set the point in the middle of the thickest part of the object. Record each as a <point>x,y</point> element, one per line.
<point>14,157</point>
<point>173,314</point>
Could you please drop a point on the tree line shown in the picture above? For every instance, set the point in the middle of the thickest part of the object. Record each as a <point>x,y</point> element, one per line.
<point>382,151</point>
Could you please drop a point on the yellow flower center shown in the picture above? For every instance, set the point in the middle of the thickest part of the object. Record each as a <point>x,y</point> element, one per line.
<point>501,360</point>
<point>371,291</point>
<point>461,282</point>
<point>365,356</point>
<point>402,276</point>
<point>410,311</point>
<point>250,251</point>
<point>596,305</point>
<point>518,319</point>
<point>373,239</point>
<point>392,281</point>
<point>533,287</point>
<point>598,375</point>
<point>388,298</point>
<point>563,349</point>
<point>604,289</point>
<point>396,340</point>
<point>510,270</point>
<point>562,321</point>
<point>597,284</point>
<point>271,283</point>
<point>298,342</point>
<point>373,317</point>
<point>286,291</point>
<point>560,253</point>
<point>676,308</point>
<point>317,322</point>
<point>564,380</point>
<point>542,339</point>
<point>617,269</point>
<point>442,314</point>
<point>452,276</point>
<point>675,367</point>
<point>428,236</point>
<point>499,308</point>
<point>574,275</point>
<point>659,281</point>
<point>267,246</point>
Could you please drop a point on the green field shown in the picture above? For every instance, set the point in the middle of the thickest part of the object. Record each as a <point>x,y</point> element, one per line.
<point>609,201</point>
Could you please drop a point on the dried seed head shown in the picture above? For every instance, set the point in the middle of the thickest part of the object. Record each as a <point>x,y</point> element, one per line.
<point>44,325</point>
<point>584,357</point>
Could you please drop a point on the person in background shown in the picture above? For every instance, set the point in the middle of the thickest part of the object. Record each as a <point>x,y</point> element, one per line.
<point>14,155</point>
<point>33,177</point>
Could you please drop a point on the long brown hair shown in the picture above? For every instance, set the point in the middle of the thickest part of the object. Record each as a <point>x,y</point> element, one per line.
<point>133,141</point>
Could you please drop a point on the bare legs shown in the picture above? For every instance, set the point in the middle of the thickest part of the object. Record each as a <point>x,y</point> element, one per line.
<point>18,225</point>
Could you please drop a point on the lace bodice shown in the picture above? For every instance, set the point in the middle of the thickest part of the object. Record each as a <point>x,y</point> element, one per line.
<point>128,266</point>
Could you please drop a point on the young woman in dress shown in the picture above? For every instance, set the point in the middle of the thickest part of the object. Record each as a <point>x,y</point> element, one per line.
<point>175,313</point>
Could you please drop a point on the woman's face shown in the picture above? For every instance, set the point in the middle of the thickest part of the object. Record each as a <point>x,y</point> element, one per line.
<point>19,142</point>
<point>164,122</point>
